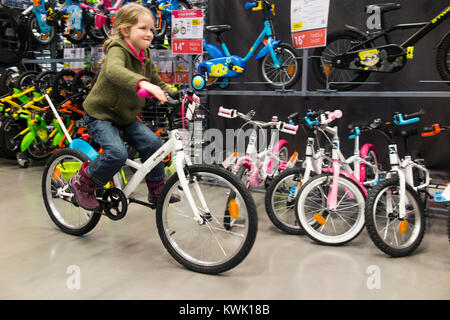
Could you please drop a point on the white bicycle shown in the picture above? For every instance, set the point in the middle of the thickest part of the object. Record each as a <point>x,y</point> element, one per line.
<point>191,230</point>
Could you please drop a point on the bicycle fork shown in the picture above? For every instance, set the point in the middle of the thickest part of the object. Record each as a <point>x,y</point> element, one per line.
<point>179,164</point>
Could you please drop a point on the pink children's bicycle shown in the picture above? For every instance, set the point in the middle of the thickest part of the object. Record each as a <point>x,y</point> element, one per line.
<point>330,206</point>
<point>362,168</point>
<point>257,168</point>
<point>104,12</point>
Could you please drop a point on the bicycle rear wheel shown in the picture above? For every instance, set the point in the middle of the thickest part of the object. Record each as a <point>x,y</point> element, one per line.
<point>330,227</point>
<point>443,59</point>
<point>57,197</point>
<point>208,247</point>
<point>338,43</point>
<point>395,237</point>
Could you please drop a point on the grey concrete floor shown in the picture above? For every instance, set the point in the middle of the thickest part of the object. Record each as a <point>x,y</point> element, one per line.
<point>126,260</point>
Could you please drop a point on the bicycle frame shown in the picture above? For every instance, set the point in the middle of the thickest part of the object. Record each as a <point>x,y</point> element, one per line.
<point>103,10</point>
<point>404,170</point>
<point>216,52</point>
<point>73,11</point>
<point>425,28</point>
<point>339,160</point>
<point>260,164</point>
<point>173,146</point>
<point>264,164</point>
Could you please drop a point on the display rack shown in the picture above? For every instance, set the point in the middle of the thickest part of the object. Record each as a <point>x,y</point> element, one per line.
<point>304,92</point>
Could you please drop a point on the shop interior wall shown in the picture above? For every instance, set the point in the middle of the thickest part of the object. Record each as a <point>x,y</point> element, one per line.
<point>246,27</point>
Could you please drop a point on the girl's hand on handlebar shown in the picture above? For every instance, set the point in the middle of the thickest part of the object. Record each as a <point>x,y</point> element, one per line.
<point>154,90</point>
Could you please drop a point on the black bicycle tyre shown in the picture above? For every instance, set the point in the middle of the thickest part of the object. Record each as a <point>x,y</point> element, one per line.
<point>60,85</point>
<point>269,204</point>
<point>7,81</point>
<point>96,215</point>
<point>443,59</point>
<point>77,40</point>
<point>78,84</point>
<point>38,156</point>
<point>10,151</point>
<point>252,221</point>
<point>370,223</point>
<point>45,80</point>
<point>48,41</point>
<point>297,73</point>
<point>317,63</point>
<point>26,79</point>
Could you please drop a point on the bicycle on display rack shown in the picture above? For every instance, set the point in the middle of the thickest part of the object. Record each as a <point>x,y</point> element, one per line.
<point>284,190</point>
<point>50,17</point>
<point>191,229</point>
<point>278,64</point>
<point>442,195</point>
<point>394,211</point>
<point>332,209</point>
<point>255,168</point>
<point>351,55</point>
<point>286,203</point>
<point>162,10</point>
<point>103,12</point>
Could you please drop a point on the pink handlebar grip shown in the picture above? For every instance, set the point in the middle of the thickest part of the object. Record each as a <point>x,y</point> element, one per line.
<point>337,114</point>
<point>142,93</point>
<point>224,110</point>
<point>290,127</point>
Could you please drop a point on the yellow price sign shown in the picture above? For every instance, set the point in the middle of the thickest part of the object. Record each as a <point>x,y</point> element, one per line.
<point>297,26</point>
<point>196,22</point>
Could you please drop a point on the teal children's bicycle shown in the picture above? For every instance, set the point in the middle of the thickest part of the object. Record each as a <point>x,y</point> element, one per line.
<point>279,66</point>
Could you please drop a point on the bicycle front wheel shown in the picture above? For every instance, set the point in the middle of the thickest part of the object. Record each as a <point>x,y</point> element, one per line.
<point>325,226</point>
<point>207,247</point>
<point>392,235</point>
<point>280,200</point>
<point>288,73</point>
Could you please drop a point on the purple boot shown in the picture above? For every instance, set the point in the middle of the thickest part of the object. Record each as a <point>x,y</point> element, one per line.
<point>154,192</point>
<point>83,189</point>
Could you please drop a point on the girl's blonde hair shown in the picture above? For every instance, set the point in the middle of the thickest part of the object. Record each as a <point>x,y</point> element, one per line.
<point>126,17</point>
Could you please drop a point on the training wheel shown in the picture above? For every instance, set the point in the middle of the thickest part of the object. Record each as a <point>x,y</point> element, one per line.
<point>198,82</point>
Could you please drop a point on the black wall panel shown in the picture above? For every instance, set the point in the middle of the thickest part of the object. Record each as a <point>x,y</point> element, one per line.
<point>247,25</point>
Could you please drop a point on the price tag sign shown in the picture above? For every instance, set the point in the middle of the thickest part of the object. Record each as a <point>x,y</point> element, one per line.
<point>187,31</point>
<point>309,21</point>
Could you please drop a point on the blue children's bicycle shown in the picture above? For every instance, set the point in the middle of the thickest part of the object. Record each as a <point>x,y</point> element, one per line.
<point>47,19</point>
<point>278,64</point>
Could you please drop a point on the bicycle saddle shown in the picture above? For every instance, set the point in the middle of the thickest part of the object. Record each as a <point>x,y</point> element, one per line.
<point>410,132</point>
<point>385,7</point>
<point>218,28</point>
<point>360,124</point>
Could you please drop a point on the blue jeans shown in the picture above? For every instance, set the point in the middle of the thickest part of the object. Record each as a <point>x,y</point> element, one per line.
<point>137,134</point>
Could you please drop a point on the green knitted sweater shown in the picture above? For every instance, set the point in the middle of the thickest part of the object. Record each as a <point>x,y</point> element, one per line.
<point>114,97</point>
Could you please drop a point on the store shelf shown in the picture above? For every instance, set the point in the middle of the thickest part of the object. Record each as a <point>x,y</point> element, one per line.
<point>304,92</point>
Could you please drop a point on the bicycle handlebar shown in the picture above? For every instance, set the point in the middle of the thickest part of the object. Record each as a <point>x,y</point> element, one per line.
<point>260,5</point>
<point>405,119</point>
<point>142,93</point>
<point>250,5</point>
<point>434,130</point>
<point>280,125</point>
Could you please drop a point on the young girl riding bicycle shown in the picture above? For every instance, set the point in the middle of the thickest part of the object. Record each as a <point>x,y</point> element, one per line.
<point>113,105</point>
